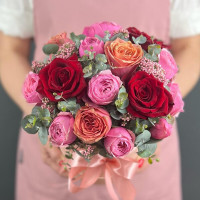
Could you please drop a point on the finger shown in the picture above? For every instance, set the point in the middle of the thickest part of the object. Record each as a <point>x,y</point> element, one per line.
<point>55,153</point>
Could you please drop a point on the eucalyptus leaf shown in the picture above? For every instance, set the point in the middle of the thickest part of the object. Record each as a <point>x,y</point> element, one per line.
<point>57,97</point>
<point>123,111</point>
<point>77,39</point>
<point>115,114</point>
<point>88,75</point>
<point>101,58</point>
<point>142,138</point>
<point>100,38</point>
<point>40,113</point>
<point>100,66</point>
<point>140,40</point>
<point>139,126</point>
<point>153,121</point>
<point>147,149</point>
<point>167,88</point>
<point>43,135</point>
<point>87,69</point>
<point>29,124</point>
<point>83,58</point>
<point>46,121</point>
<point>50,49</point>
<point>154,49</point>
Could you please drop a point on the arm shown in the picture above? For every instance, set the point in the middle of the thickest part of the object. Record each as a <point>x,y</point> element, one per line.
<point>14,66</point>
<point>186,52</point>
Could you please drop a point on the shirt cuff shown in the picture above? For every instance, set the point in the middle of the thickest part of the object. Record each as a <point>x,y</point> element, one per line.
<point>185,23</point>
<point>16,23</point>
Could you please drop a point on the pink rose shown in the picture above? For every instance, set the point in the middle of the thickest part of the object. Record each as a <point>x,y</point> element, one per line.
<point>60,39</point>
<point>168,63</point>
<point>104,87</point>
<point>177,98</point>
<point>119,141</point>
<point>91,44</point>
<point>161,130</point>
<point>61,129</point>
<point>29,88</point>
<point>100,28</point>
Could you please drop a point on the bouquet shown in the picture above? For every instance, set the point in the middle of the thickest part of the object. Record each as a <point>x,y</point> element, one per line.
<point>101,95</point>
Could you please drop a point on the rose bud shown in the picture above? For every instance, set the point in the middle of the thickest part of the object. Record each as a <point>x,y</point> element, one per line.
<point>60,39</point>
<point>104,87</point>
<point>100,28</point>
<point>168,63</point>
<point>148,97</point>
<point>61,129</point>
<point>91,124</point>
<point>178,101</point>
<point>29,88</point>
<point>123,56</point>
<point>161,130</point>
<point>119,141</point>
<point>91,44</point>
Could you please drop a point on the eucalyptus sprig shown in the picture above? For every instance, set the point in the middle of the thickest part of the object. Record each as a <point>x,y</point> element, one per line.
<point>122,101</point>
<point>69,105</point>
<point>38,121</point>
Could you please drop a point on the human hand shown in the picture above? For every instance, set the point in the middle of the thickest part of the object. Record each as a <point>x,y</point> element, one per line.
<point>52,156</point>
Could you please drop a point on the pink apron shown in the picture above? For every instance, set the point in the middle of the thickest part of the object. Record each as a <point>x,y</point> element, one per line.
<point>35,180</point>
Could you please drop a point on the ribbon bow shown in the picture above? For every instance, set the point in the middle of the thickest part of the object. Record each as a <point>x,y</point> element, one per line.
<point>117,173</point>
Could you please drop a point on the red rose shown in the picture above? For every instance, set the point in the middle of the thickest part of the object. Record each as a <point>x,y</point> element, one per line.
<point>134,32</point>
<point>148,97</point>
<point>62,76</point>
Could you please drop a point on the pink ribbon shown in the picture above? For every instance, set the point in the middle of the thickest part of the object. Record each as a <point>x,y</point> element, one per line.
<point>117,173</point>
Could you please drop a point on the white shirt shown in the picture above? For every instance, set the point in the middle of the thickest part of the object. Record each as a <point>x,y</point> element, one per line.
<point>16,18</point>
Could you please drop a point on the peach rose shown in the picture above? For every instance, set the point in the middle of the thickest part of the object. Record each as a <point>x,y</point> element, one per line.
<point>91,124</point>
<point>60,39</point>
<point>123,56</point>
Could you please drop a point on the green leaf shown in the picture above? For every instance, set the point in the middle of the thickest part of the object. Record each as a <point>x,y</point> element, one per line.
<point>119,35</point>
<point>147,149</point>
<point>142,138</point>
<point>140,40</point>
<point>100,66</point>
<point>69,105</point>
<point>87,69</point>
<point>122,111</point>
<point>43,135</point>
<point>139,126</point>
<point>77,39</point>
<point>83,58</point>
<point>88,75</point>
<point>58,97</point>
<point>29,124</point>
<point>101,58</point>
<point>115,114</point>
<point>46,121</point>
<point>154,49</point>
<point>40,113</point>
<point>50,49</point>
<point>153,121</point>
<point>167,88</point>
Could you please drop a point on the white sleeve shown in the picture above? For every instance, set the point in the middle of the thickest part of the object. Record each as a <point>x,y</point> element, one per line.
<point>16,18</point>
<point>184,18</point>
